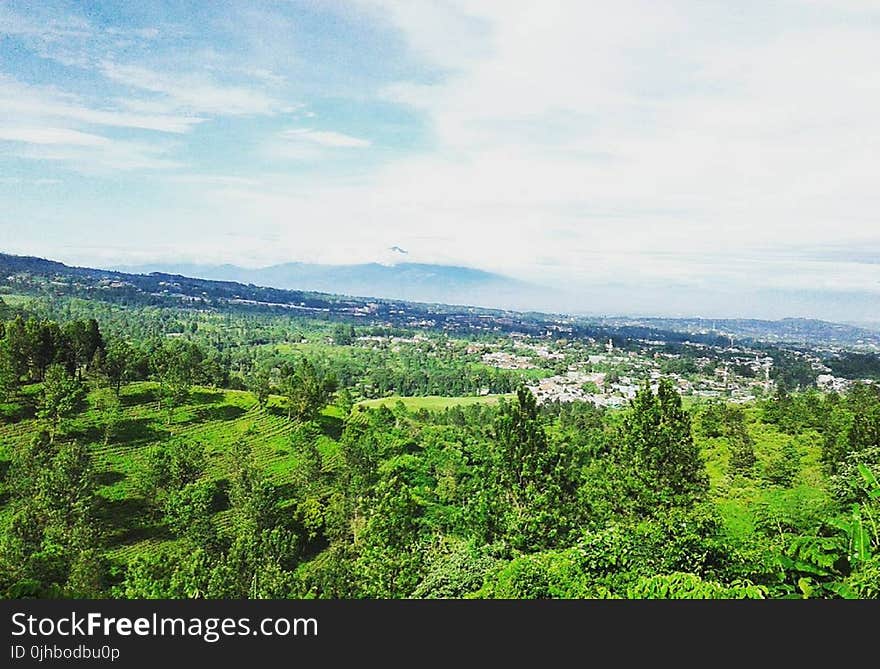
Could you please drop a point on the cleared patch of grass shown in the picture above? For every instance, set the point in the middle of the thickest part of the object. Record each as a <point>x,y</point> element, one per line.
<point>14,300</point>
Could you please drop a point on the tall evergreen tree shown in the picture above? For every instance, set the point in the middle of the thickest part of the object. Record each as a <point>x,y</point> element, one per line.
<point>657,445</point>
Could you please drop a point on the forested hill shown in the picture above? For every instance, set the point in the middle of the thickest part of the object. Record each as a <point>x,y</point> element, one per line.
<point>39,277</point>
<point>404,281</point>
<point>157,288</point>
<point>166,437</point>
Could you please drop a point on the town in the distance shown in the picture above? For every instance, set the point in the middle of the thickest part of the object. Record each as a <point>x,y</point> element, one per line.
<point>561,358</point>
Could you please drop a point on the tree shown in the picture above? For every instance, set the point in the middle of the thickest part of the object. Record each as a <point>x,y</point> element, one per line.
<point>16,348</point>
<point>61,399</point>
<point>9,379</point>
<point>69,494</point>
<point>83,341</point>
<point>29,463</point>
<point>742,453</point>
<point>250,494</point>
<point>259,382</point>
<point>343,335</point>
<point>392,564</point>
<point>188,512</point>
<point>168,469</point>
<point>740,442</point>
<point>853,427</point>
<point>214,370</point>
<point>783,469</point>
<point>117,365</point>
<point>306,391</point>
<point>53,521</point>
<point>172,466</point>
<point>657,447</point>
<point>530,478</point>
<point>712,420</point>
<point>344,401</point>
<point>177,365</point>
<point>112,415</point>
<point>43,342</point>
<point>87,578</point>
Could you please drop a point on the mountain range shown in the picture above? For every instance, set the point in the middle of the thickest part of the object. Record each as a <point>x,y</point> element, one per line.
<point>416,282</point>
<point>37,276</point>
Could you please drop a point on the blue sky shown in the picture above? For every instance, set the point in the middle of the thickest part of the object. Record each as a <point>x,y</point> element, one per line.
<point>691,156</point>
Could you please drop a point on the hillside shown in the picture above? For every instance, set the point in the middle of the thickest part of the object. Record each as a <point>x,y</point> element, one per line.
<point>213,418</point>
<point>167,437</point>
<point>41,277</point>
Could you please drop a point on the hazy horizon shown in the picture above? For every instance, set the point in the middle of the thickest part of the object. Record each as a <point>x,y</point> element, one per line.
<point>529,297</point>
<point>680,159</point>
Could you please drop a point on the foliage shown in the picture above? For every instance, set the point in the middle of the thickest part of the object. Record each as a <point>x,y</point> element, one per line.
<point>307,391</point>
<point>62,398</point>
<point>415,482</point>
<point>655,460</point>
<point>680,585</point>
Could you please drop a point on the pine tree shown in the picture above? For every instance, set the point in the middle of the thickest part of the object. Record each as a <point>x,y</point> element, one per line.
<point>658,449</point>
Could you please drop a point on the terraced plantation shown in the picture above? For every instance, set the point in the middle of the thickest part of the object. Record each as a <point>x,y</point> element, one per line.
<point>216,419</point>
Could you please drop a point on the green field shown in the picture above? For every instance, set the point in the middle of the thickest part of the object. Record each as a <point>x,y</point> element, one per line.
<point>432,402</point>
<point>12,300</point>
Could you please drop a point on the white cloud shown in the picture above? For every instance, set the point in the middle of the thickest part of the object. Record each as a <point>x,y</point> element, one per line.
<point>56,28</point>
<point>640,126</point>
<point>213,180</point>
<point>326,138</point>
<point>584,144</point>
<point>20,181</point>
<point>449,34</point>
<point>104,159</point>
<point>29,103</point>
<point>193,92</point>
<point>48,125</point>
<point>51,136</point>
<point>587,143</point>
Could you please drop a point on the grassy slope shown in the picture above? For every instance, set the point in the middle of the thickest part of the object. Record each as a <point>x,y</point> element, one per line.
<point>218,418</point>
<point>13,300</point>
<point>215,418</point>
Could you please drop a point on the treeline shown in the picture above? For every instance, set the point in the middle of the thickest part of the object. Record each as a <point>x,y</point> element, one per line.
<point>29,347</point>
<point>856,365</point>
<point>237,348</point>
<point>517,502</point>
<point>65,358</point>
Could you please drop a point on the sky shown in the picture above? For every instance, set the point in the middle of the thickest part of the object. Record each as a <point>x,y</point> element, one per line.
<point>689,157</point>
